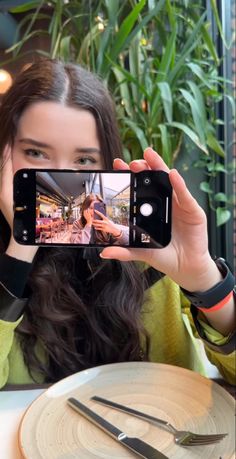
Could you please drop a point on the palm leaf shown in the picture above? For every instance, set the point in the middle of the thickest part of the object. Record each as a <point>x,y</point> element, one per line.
<point>196,114</point>
<point>191,134</point>
<point>167,101</point>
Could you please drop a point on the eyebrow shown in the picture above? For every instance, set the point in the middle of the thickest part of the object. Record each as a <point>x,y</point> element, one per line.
<point>39,144</point>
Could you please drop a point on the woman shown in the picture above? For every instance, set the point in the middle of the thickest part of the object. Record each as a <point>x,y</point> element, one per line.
<point>91,230</point>
<point>63,310</point>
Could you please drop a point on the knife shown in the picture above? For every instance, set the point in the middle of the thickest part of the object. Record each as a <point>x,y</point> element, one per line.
<point>136,445</point>
<point>126,409</point>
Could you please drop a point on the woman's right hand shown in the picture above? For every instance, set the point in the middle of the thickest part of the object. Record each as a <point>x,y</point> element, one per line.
<point>21,252</point>
<point>88,217</point>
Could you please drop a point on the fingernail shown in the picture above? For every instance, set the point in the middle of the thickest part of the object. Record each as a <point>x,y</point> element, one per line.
<point>102,256</point>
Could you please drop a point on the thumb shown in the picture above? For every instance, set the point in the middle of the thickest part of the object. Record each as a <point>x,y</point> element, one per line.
<point>120,253</point>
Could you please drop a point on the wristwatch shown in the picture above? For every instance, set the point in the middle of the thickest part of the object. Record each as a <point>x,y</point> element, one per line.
<point>216,294</point>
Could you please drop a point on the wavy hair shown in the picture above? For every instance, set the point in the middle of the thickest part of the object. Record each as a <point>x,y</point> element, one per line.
<point>84,311</point>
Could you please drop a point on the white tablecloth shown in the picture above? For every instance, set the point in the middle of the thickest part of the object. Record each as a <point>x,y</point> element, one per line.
<point>12,407</point>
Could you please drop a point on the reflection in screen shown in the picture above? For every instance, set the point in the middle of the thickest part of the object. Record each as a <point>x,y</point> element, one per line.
<point>85,208</point>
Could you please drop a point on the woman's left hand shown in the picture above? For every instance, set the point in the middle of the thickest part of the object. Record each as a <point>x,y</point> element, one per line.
<point>186,259</point>
<point>106,225</point>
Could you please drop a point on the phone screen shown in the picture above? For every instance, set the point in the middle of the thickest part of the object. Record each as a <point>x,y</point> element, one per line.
<point>92,208</point>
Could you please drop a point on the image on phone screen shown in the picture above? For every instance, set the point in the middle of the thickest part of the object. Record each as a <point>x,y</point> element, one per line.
<point>67,206</point>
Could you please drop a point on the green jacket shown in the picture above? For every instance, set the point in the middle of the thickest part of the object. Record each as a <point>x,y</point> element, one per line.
<point>173,338</point>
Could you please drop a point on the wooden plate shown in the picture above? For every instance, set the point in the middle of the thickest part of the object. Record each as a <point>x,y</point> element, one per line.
<point>50,429</point>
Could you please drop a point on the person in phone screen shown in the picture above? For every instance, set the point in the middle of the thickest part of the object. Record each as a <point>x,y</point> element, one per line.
<point>93,227</point>
<point>63,310</point>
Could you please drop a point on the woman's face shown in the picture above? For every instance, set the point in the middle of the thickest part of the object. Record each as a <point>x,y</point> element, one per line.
<point>91,208</point>
<point>51,135</point>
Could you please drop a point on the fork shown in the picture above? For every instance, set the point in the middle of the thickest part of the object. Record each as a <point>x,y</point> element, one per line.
<point>182,437</point>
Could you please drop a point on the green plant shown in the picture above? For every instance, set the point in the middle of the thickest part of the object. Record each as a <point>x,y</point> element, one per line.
<point>158,59</point>
<point>218,202</point>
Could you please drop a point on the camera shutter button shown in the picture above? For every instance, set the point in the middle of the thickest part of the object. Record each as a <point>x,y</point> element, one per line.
<point>146,209</point>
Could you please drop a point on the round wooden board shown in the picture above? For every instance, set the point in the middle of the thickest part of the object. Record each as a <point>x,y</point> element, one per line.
<point>51,429</point>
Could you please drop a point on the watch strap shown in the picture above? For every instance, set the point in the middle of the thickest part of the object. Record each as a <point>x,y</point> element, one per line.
<point>216,294</point>
<point>227,348</point>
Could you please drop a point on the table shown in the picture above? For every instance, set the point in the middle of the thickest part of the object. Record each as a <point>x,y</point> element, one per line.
<point>12,407</point>
<point>13,404</point>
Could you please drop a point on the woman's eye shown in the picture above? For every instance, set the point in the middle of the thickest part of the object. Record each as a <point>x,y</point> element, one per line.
<point>84,160</point>
<point>35,154</point>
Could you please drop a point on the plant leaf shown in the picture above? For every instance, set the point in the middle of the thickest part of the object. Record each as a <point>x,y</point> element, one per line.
<point>65,48</point>
<point>125,34</point>
<point>166,97</point>
<point>221,197</point>
<point>26,38</point>
<point>138,133</point>
<point>213,143</point>
<point>166,150</point>
<point>126,28</point>
<point>196,114</point>
<point>204,186</point>
<point>199,102</point>
<point>188,47</point>
<point>217,18</point>
<point>24,7</point>
<point>222,216</point>
<point>198,71</point>
<point>124,91</point>
<point>190,133</point>
<point>167,56</point>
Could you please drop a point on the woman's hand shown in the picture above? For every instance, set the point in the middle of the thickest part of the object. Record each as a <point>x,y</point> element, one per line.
<point>21,252</point>
<point>88,217</point>
<point>186,259</point>
<point>105,225</point>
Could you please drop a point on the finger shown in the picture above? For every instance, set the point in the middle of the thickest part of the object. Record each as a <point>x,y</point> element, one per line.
<point>100,214</point>
<point>7,168</point>
<point>6,154</point>
<point>125,254</point>
<point>119,164</point>
<point>96,225</point>
<point>154,160</point>
<point>139,165</point>
<point>117,253</point>
<point>183,195</point>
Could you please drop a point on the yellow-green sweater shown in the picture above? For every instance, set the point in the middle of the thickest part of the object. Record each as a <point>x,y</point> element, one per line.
<point>173,337</point>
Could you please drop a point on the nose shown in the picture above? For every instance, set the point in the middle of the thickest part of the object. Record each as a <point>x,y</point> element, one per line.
<point>61,164</point>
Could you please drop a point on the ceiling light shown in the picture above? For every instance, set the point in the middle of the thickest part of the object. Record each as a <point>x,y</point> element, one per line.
<point>5,81</point>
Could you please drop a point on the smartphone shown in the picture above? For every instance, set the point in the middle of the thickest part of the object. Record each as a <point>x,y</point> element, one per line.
<point>101,207</point>
<point>48,207</point>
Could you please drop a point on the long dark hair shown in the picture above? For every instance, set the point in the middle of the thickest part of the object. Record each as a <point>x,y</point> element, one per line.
<point>83,310</point>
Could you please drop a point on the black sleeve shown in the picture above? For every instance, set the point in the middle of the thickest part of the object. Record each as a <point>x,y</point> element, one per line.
<point>13,278</point>
<point>14,274</point>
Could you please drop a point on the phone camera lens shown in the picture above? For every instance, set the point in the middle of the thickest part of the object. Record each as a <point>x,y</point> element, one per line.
<point>146,181</point>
